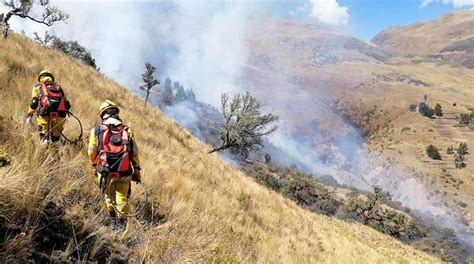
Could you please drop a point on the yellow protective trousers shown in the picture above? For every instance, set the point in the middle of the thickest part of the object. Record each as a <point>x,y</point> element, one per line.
<point>117,194</point>
<point>54,126</point>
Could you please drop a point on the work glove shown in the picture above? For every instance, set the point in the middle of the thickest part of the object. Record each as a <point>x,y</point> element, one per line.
<point>136,176</point>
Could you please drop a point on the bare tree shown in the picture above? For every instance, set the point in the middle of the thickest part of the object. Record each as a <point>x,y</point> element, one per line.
<point>22,8</point>
<point>244,125</point>
<point>43,40</point>
<point>148,80</point>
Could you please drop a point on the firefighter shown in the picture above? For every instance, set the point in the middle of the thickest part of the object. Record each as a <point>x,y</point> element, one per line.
<point>113,154</point>
<point>51,105</point>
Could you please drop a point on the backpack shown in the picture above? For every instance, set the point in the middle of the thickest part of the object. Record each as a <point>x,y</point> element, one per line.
<point>114,150</point>
<point>52,100</point>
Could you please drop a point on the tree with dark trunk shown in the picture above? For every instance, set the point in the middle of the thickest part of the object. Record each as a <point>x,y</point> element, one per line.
<point>168,95</point>
<point>22,8</point>
<point>244,125</point>
<point>148,80</point>
<point>180,93</point>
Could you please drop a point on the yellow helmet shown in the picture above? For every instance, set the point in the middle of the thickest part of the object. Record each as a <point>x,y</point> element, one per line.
<point>107,104</point>
<point>45,73</point>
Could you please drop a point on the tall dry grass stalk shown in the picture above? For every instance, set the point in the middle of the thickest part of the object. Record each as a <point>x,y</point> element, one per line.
<point>204,210</point>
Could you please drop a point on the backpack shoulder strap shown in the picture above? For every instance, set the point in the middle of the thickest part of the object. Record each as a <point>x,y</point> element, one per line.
<point>125,134</point>
<point>99,130</point>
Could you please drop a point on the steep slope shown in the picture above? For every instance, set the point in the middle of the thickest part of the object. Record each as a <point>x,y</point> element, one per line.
<point>450,37</point>
<point>294,62</point>
<point>199,207</point>
<point>349,119</point>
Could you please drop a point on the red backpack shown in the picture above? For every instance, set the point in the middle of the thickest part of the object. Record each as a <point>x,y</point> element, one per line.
<point>114,150</point>
<point>52,100</point>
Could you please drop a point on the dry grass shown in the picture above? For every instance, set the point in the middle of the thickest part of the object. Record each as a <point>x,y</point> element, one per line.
<point>427,37</point>
<point>212,212</point>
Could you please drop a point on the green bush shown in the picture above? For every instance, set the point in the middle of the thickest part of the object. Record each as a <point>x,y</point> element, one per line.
<point>425,109</point>
<point>298,186</point>
<point>370,211</point>
<point>266,178</point>
<point>311,195</point>
<point>459,158</point>
<point>73,49</point>
<point>465,118</point>
<point>462,149</point>
<point>433,152</point>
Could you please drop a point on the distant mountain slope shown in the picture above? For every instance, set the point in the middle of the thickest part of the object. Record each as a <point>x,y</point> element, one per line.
<point>450,37</point>
<point>199,209</point>
<point>348,117</point>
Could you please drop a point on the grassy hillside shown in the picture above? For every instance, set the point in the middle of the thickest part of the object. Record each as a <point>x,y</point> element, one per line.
<point>450,37</point>
<point>317,100</point>
<point>428,37</point>
<point>199,208</point>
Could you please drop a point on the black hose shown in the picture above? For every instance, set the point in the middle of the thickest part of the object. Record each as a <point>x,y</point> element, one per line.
<point>79,138</point>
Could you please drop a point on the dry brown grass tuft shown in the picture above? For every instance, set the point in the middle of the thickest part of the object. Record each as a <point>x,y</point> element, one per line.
<point>205,210</point>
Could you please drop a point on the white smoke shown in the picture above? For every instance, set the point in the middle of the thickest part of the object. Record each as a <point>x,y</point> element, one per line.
<point>210,55</point>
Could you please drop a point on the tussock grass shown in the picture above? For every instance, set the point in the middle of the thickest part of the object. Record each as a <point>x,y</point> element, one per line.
<point>205,210</point>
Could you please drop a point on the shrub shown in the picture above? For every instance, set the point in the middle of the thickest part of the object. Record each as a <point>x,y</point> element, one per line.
<point>266,178</point>
<point>438,111</point>
<point>425,109</point>
<point>433,152</point>
<point>268,158</point>
<point>75,50</point>
<point>465,118</point>
<point>309,194</point>
<point>445,244</point>
<point>300,187</point>
<point>462,149</point>
<point>412,108</point>
<point>450,150</point>
<point>459,161</point>
<point>245,125</point>
<point>459,156</point>
<point>370,211</point>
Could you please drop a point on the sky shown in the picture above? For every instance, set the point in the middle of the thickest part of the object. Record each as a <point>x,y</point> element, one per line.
<point>362,18</point>
<point>369,17</point>
<point>366,18</point>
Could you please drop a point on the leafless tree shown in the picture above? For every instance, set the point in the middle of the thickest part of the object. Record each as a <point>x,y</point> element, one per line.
<point>148,80</point>
<point>244,125</point>
<point>43,40</point>
<point>22,8</point>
